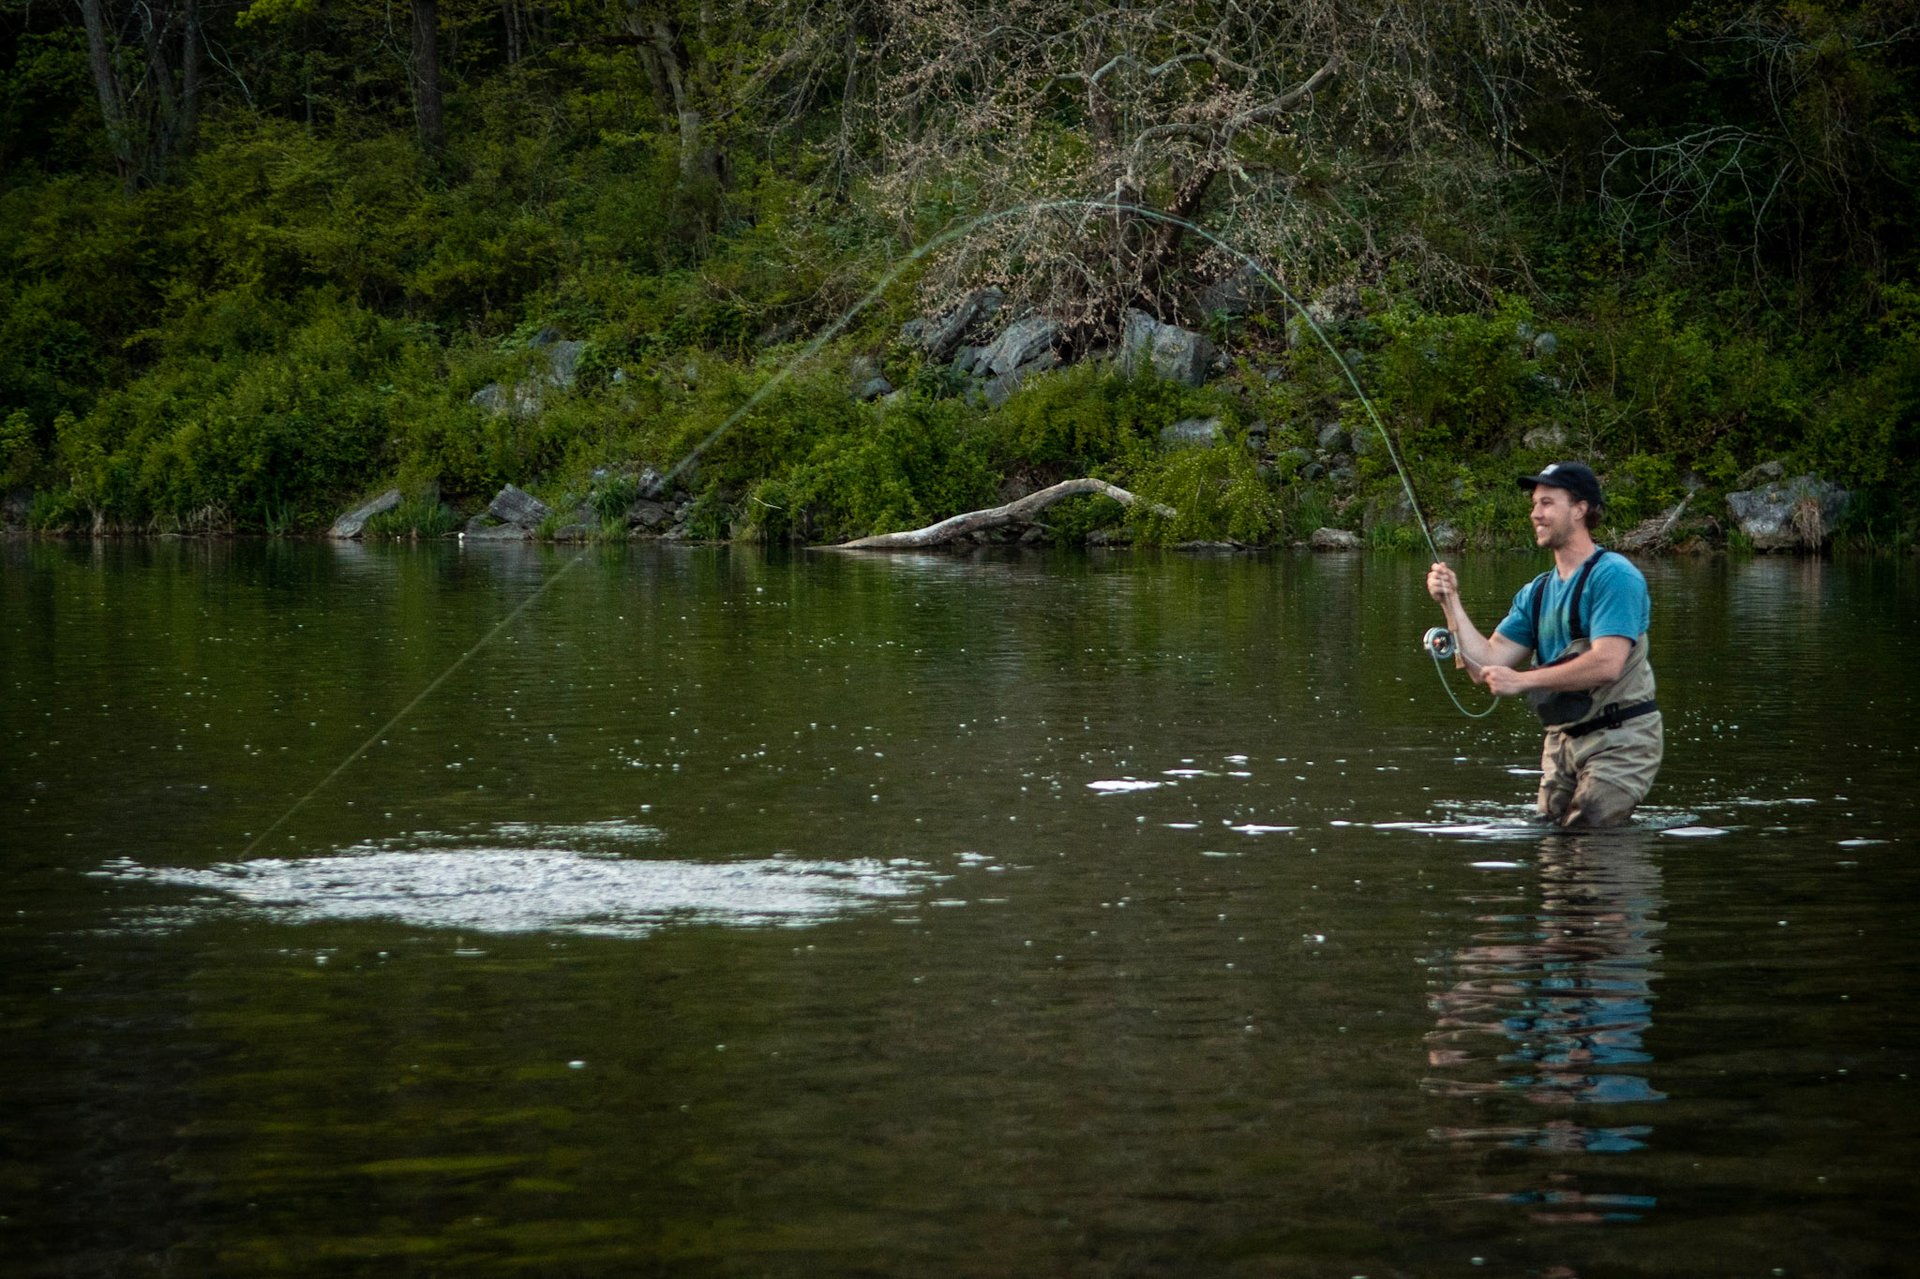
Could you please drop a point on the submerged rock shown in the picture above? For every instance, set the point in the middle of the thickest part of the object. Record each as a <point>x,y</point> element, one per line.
<point>351,524</point>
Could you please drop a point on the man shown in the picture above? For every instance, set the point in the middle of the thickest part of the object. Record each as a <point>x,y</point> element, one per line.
<point>1585,623</point>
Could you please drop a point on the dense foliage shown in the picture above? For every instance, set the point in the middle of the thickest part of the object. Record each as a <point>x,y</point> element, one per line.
<point>258,261</point>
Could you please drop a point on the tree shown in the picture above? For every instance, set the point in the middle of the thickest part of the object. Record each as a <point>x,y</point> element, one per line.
<point>145,60</point>
<point>1282,124</point>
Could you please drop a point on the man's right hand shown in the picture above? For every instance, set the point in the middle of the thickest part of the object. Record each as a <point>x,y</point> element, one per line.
<point>1442,584</point>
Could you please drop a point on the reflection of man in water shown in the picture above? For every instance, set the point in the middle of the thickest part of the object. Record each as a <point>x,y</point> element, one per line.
<point>1585,623</point>
<point>1551,1007</point>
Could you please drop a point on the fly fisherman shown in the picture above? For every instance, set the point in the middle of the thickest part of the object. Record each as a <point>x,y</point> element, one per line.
<point>1584,621</point>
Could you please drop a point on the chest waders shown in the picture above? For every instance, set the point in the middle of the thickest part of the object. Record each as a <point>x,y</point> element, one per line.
<point>1629,696</point>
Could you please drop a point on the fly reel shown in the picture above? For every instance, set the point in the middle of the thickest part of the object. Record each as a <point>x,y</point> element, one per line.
<point>1439,642</point>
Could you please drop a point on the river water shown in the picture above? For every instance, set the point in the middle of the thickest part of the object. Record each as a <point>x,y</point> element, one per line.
<point>733,913</point>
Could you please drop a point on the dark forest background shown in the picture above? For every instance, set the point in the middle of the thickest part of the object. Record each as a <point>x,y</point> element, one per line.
<point>257,259</point>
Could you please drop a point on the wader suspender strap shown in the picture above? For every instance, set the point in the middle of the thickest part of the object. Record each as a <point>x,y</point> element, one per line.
<point>1615,715</point>
<point>1576,627</point>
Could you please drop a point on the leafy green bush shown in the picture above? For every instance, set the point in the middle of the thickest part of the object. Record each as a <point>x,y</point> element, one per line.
<point>415,518</point>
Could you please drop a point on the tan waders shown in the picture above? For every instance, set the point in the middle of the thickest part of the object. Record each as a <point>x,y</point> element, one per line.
<point>1594,771</point>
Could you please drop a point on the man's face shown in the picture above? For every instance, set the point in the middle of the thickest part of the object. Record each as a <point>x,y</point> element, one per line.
<point>1556,516</point>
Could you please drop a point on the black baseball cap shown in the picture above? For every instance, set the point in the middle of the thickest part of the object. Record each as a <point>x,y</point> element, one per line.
<point>1577,478</point>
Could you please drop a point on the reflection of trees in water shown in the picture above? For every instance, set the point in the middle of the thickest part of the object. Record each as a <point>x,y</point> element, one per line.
<point>1551,1006</point>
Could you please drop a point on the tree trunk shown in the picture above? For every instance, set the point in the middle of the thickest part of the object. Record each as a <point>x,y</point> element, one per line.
<point>1019,512</point>
<point>426,74</point>
<point>107,85</point>
<point>190,80</point>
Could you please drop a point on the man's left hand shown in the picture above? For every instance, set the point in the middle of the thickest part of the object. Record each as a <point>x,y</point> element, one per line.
<point>1503,681</point>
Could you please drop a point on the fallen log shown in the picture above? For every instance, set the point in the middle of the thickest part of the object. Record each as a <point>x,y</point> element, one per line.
<point>1019,512</point>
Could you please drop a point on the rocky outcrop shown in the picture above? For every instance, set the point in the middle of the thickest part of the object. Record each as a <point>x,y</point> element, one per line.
<point>1165,350</point>
<point>561,372</point>
<point>513,515</point>
<point>1021,343</point>
<point>1789,515</point>
<point>354,522</point>
<point>941,338</point>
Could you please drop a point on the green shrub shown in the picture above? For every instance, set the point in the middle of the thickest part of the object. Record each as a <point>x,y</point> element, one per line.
<point>414,519</point>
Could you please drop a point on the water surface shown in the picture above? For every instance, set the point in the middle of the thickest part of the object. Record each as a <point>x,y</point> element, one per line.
<point>730,913</point>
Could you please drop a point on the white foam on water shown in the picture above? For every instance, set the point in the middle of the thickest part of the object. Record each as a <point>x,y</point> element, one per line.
<point>1695,832</point>
<point>525,890</point>
<point>1254,828</point>
<point>1860,842</point>
<point>1498,865</point>
<point>1120,786</point>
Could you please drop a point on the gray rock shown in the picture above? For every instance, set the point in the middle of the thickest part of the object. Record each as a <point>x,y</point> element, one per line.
<point>1545,346</point>
<point>1342,475</point>
<point>1193,432</point>
<point>517,507</point>
<point>1023,342</point>
<point>651,485</point>
<point>999,390</point>
<point>1446,536</point>
<point>1755,476</point>
<point>874,388</point>
<point>526,399</point>
<point>1546,438</point>
<point>1334,539</point>
<point>573,533</point>
<point>1241,293</point>
<point>496,532</point>
<point>563,364</point>
<point>1166,350</point>
<point>943,337</point>
<point>349,526</point>
<point>1333,438</point>
<point>1314,471</point>
<point>967,358</point>
<point>1203,547</point>
<point>1294,461</point>
<point>1788,515</point>
<point>649,514</point>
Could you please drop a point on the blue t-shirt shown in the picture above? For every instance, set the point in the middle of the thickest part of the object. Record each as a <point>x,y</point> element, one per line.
<point>1615,602</point>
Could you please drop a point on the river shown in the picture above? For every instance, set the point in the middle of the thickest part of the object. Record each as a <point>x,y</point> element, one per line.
<point>742,913</point>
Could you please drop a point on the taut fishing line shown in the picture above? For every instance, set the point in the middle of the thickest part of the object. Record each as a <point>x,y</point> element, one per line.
<point>833,330</point>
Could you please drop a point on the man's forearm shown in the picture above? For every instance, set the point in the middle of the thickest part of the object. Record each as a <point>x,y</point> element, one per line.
<point>1467,639</point>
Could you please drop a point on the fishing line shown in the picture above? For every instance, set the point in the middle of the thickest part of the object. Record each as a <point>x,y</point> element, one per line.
<point>418,698</point>
<point>833,330</point>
